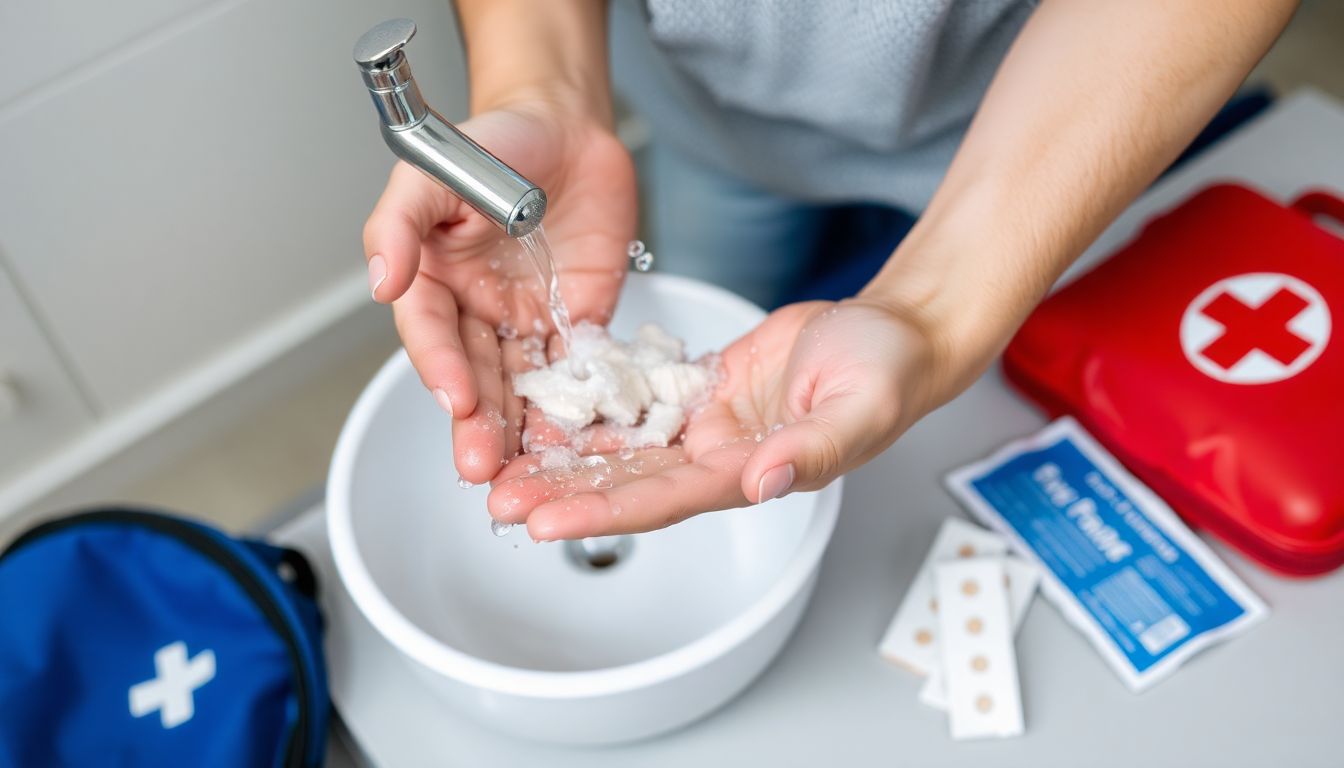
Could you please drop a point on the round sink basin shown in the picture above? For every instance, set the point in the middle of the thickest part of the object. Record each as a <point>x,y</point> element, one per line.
<point>591,642</point>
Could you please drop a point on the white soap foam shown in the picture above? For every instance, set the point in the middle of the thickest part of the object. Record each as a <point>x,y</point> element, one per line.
<point>643,387</point>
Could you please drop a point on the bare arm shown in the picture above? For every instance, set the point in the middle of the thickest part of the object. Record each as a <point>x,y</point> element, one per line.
<point>555,49</point>
<point>1093,101</point>
<point>541,102</point>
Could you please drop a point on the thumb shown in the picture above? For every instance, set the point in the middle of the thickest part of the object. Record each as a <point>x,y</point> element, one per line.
<point>834,437</point>
<point>411,205</point>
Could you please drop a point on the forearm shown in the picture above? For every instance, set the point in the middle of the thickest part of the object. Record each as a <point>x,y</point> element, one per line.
<point>550,49</point>
<point>1092,102</point>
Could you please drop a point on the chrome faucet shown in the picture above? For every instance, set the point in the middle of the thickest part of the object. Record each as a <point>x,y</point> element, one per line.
<point>421,137</point>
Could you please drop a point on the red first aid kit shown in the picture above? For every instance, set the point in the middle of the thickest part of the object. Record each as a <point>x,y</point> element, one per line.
<point>1204,356</point>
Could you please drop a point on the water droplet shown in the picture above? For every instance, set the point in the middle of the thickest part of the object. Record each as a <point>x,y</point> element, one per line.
<point>626,454</point>
<point>616,510</point>
<point>506,331</point>
<point>500,529</point>
<point>635,248</point>
<point>494,263</point>
<point>464,483</point>
<point>644,262</point>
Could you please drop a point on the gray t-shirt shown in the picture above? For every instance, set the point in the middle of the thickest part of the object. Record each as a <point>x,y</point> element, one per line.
<point>821,100</point>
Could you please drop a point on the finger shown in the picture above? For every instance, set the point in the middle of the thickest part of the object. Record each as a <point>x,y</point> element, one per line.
<point>835,436</point>
<point>542,433</point>
<point>426,320</point>
<point>512,501</point>
<point>514,361</point>
<point>526,464</point>
<point>478,440</point>
<point>411,205</point>
<point>524,484</point>
<point>604,441</point>
<point>647,503</point>
<point>601,439</point>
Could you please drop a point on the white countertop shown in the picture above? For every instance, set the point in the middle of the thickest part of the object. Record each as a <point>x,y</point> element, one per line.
<point>1270,697</point>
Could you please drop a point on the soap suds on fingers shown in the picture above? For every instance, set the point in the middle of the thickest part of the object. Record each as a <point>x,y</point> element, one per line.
<point>641,389</point>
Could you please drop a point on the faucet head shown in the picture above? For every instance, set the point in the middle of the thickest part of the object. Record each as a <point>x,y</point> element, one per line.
<point>421,137</point>
<point>387,74</point>
<point>382,43</point>
<point>527,214</point>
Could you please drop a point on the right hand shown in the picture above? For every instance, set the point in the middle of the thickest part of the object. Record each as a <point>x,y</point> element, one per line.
<point>431,256</point>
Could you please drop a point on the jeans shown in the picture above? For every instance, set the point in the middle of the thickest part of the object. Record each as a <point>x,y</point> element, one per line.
<point>772,250</point>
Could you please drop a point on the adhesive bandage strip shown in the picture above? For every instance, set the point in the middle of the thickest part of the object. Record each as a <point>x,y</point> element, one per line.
<point>978,659</point>
<point>911,638</point>
<point>1115,559</point>
<point>1021,578</point>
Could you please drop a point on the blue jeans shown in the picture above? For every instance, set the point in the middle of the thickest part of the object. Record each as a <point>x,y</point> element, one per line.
<point>713,226</point>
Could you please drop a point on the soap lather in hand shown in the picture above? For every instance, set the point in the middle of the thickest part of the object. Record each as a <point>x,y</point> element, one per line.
<point>641,388</point>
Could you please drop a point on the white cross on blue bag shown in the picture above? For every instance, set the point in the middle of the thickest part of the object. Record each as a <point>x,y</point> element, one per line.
<point>136,638</point>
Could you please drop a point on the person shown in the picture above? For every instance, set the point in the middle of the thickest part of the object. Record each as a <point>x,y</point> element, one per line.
<point>1019,131</point>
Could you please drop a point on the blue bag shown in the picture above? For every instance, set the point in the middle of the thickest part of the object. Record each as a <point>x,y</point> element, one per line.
<point>136,638</point>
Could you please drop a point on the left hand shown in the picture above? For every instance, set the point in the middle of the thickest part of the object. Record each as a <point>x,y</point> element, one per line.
<point>814,391</point>
<point>456,282</point>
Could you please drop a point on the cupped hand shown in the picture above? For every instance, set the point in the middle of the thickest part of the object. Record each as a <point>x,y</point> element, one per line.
<point>812,392</point>
<point>455,280</point>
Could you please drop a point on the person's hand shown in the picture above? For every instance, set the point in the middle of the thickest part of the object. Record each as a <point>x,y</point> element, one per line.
<point>814,391</point>
<point>454,279</point>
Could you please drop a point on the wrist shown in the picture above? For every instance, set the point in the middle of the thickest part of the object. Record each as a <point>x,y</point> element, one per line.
<point>965,281</point>
<point>557,98</point>
<point>521,50</point>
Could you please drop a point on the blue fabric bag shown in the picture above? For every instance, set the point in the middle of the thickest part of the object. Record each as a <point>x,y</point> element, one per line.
<point>141,639</point>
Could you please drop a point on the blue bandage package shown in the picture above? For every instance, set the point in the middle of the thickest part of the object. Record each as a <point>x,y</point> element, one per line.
<point>1117,561</point>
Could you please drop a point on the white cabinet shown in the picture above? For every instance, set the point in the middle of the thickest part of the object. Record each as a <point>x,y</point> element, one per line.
<point>201,183</point>
<point>39,405</point>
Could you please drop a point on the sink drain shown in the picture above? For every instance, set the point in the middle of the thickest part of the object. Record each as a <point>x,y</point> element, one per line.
<point>599,553</point>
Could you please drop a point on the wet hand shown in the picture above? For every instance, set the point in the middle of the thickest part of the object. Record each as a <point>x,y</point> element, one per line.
<point>461,290</point>
<point>814,391</point>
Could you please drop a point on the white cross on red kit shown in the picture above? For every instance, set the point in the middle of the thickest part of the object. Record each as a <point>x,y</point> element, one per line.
<point>176,679</point>
<point>1255,328</point>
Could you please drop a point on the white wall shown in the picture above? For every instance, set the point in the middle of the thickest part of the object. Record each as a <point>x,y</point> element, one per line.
<point>182,188</point>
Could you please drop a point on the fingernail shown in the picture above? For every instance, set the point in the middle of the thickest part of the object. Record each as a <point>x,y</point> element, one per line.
<point>441,397</point>
<point>774,482</point>
<point>377,274</point>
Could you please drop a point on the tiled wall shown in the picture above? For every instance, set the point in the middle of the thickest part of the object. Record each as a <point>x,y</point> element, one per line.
<point>175,175</point>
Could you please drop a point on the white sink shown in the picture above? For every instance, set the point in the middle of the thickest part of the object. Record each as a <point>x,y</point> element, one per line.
<point>521,636</point>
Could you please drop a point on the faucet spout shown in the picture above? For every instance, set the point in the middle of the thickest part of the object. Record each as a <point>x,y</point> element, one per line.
<point>421,137</point>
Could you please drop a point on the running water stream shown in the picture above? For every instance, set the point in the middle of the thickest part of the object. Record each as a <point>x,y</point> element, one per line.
<point>538,250</point>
